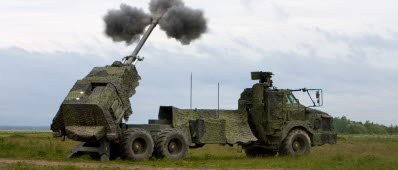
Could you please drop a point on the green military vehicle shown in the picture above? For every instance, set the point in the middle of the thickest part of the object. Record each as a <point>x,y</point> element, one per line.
<point>268,120</point>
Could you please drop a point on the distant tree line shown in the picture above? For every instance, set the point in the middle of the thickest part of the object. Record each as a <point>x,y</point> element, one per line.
<point>346,126</point>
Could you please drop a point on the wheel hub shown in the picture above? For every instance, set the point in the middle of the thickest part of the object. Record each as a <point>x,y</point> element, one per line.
<point>139,146</point>
<point>172,147</point>
<point>296,146</point>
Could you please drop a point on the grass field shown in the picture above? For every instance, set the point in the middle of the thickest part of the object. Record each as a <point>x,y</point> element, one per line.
<point>26,149</point>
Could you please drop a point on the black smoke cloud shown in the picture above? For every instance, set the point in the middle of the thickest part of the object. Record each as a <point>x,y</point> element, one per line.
<point>183,23</point>
<point>126,24</point>
<point>159,7</point>
<point>178,21</point>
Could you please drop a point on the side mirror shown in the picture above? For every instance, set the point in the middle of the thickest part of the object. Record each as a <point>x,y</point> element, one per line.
<point>318,100</point>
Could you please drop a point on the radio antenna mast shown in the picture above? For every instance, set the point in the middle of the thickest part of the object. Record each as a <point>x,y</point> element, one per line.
<point>190,96</point>
<point>218,98</point>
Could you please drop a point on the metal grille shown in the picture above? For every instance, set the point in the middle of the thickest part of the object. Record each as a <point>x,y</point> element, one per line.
<point>327,124</point>
<point>325,138</point>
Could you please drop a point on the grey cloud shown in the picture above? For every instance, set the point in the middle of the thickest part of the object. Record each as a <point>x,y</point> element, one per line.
<point>365,39</point>
<point>279,13</point>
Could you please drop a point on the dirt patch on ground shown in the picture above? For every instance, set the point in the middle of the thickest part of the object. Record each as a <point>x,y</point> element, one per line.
<point>4,162</point>
<point>76,164</point>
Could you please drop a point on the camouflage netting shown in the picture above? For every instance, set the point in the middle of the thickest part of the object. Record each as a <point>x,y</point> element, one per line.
<point>224,126</point>
<point>95,105</point>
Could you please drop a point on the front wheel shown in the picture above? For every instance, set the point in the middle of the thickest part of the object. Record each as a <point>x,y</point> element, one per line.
<point>171,144</point>
<point>297,142</point>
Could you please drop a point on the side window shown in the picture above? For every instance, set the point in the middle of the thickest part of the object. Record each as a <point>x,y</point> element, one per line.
<point>287,100</point>
<point>292,99</point>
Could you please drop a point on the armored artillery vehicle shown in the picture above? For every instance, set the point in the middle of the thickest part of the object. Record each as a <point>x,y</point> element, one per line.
<point>268,120</point>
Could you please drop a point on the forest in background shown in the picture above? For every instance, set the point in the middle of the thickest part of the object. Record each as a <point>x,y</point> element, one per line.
<point>346,126</point>
<point>343,125</point>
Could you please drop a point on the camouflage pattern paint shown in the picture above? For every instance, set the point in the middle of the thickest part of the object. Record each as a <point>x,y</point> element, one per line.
<point>209,126</point>
<point>95,106</point>
<point>265,116</point>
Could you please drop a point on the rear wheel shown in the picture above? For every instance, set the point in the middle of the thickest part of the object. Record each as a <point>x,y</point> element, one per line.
<point>137,144</point>
<point>297,142</point>
<point>171,144</point>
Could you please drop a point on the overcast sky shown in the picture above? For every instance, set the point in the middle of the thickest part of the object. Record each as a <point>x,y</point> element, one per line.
<point>347,48</point>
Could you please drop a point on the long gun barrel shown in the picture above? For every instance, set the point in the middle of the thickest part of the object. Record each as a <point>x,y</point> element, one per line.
<point>134,56</point>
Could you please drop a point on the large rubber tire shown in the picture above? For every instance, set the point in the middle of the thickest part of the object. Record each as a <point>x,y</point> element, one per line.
<point>297,142</point>
<point>137,144</point>
<point>171,144</point>
<point>255,151</point>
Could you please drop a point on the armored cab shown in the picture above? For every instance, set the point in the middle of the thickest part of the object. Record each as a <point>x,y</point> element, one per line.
<point>95,106</point>
<point>280,123</point>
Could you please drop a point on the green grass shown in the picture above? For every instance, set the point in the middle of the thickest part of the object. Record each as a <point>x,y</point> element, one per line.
<point>33,145</point>
<point>351,152</point>
<point>26,166</point>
